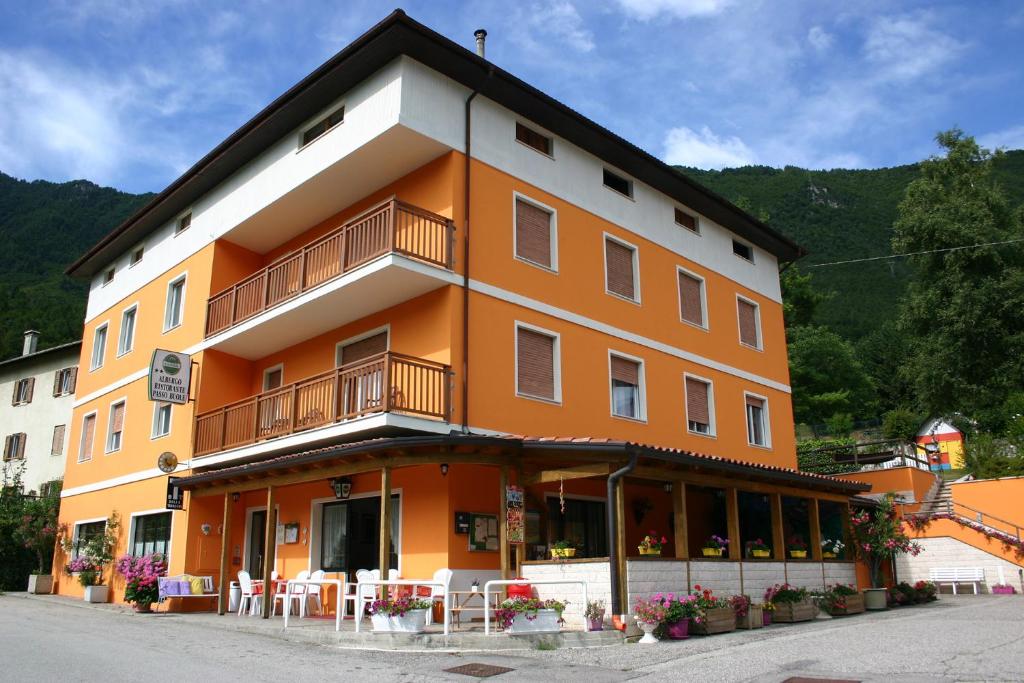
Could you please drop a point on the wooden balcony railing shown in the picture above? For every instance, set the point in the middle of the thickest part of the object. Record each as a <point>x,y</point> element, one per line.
<point>389,227</point>
<point>388,382</point>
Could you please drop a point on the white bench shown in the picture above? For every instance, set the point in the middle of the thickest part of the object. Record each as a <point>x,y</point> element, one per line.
<point>955,575</point>
<point>209,591</point>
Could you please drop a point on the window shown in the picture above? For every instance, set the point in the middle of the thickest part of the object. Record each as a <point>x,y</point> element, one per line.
<point>699,410</point>
<point>150,534</point>
<point>757,424</point>
<point>692,299</point>
<point>51,488</point>
<point>137,255</point>
<point>86,532</point>
<point>57,447</point>
<point>64,381</point>
<point>532,138</point>
<point>616,182</point>
<point>161,420</point>
<point>173,309</point>
<point>14,447</point>
<point>88,434</point>
<point>126,341</point>
<point>183,224</point>
<point>620,269</point>
<point>744,251</point>
<point>323,125</point>
<point>272,377</point>
<point>364,389</point>
<point>537,372</point>
<point>108,276</point>
<point>583,524</point>
<point>749,322</point>
<point>627,393</point>
<point>362,349</point>
<point>535,234</point>
<point>23,391</point>
<point>687,220</point>
<point>99,347</point>
<point>116,427</point>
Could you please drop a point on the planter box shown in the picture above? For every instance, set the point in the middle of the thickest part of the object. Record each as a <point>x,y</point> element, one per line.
<point>545,622</point>
<point>854,605</point>
<point>719,620</point>
<point>96,593</point>
<point>1003,590</point>
<point>40,584</point>
<point>761,554</point>
<point>798,554</point>
<point>649,551</point>
<point>789,612</point>
<point>712,552</point>
<point>753,619</point>
<point>876,598</point>
<point>562,553</point>
<point>414,621</point>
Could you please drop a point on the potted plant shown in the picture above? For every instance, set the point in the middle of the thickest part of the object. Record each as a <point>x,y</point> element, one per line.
<point>475,586</point>
<point>88,565</point>
<point>717,615</point>
<point>791,603</point>
<point>649,614</point>
<point>766,613</point>
<point>141,579</point>
<point>405,614</point>
<point>594,614</point>
<point>562,550</point>
<point>930,591</point>
<point>997,589</point>
<point>715,546</point>
<point>652,543</point>
<point>797,547</point>
<point>877,539</point>
<point>530,615</point>
<point>680,612</point>
<point>748,615</point>
<point>758,549</point>
<point>831,548</point>
<point>37,530</point>
<point>841,599</point>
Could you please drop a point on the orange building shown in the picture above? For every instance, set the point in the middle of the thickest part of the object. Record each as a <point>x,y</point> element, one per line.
<point>402,262</point>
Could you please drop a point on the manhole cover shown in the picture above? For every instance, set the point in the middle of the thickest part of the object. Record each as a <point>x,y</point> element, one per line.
<point>819,680</point>
<point>478,670</point>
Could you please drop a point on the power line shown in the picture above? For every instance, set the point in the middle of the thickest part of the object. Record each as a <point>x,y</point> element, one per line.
<point>915,253</point>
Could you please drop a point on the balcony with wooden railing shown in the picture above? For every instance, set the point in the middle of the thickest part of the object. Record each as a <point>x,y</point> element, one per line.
<point>385,383</point>
<point>391,227</point>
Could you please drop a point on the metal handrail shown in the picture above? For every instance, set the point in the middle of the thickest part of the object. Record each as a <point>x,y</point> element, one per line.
<point>949,506</point>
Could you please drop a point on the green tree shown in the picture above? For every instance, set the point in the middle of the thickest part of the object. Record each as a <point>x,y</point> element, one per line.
<point>800,298</point>
<point>990,457</point>
<point>963,314</point>
<point>826,375</point>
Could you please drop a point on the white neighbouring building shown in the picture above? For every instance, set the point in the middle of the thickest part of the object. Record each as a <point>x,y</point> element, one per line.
<point>34,423</point>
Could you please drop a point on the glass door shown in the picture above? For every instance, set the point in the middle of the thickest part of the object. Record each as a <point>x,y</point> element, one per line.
<point>257,539</point>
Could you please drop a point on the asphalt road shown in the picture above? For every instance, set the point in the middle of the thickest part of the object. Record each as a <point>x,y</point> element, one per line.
<point>965,639</point>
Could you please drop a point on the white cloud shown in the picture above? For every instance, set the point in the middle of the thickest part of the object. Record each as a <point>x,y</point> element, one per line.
<point>645,10</point>
<point>820,39</point>
<point>907,48</point>
<point>561,20</point>
<point>1008,138</point>
<point>703,149</point>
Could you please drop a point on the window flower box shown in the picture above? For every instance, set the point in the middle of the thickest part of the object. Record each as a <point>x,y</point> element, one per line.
<point>790,612</point>
<point>754,618</point>
<point>712,552</point>
<point>544,621</point>
<point>854,604</point>
<point>716,620</point>
<point>413,621</point>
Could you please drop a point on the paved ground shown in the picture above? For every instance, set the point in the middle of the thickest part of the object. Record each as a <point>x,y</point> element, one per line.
<point>962,639</point>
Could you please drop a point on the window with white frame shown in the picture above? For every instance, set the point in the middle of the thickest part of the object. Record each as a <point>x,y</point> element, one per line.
<point>137,255</point>
<point>99,347</point>
<point>621,269</point>
<point>183,223</point>
<point>150,534</point>
<point>87,437</point>
<point>535,234</point>
<point>86,532</point>
<point>626,375</point>
<point>757,420</point>
<point>687,220</point>
<point>692,299</point>
<point>335,118</point>
<point>537,364</point>
<point>14,447</point>
<point>161,420</point>
<point>175,306</point>
<point>749,317</point>
<point>126,340</point>
<point>700,410</point>
<point>115,430</point>
<point>64,381</point>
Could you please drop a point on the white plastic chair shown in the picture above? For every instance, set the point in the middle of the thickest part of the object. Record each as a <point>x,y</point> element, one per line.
<point>245,583</point>
<point>444,576</point>
<point>296,595</point>
<point>313,593</point>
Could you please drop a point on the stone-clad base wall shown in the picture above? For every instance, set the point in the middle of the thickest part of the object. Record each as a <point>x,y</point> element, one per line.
<point>945,552</point>
<point>594,573</point>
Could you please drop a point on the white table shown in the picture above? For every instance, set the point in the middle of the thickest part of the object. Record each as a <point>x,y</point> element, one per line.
<point>523,582</point>
<point>362,585</point>
<point>314,582</point>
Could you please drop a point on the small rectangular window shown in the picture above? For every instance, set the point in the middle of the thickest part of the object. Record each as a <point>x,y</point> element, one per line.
<point>616,182</point>
<point>126,341</point>
<point>687,220</point>
<point>174,308</point>
<point>150,534</point>
<point>137,255</point>
<point>698,406</point>
<point>64,381</point>
<point>749,322</point>
<point>115,430</point>
<point>14,447</point>
<point>691,299</point>
<point>88,434</point>
<point>57,447</point>
<point>161,420</point>
<point>627,399</point>
<point>532,138</point>
<point>183,223</point>
<point>23,391</point>
<point>323,125</point>
<point>757,425</point>
<point>86,532</point>
<point>99,347</point>
<point>108,276</point>
<point>536,364</point>
<point>620,268</point>
<point>535,234</point>
<point>744,251</point>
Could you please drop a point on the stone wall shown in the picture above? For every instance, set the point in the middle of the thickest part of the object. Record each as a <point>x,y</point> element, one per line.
<point>841,572</point>
<point>647,577</point>
<point>594,573</point>
<point>759,576</point>
<point>721,577</point>
<point>945,552</point>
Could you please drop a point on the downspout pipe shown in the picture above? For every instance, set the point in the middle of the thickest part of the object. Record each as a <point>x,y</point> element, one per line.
<point>613,544</point>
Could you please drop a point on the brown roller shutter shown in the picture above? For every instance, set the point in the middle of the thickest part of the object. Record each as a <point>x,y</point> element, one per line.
<point>533,233</point>
<point>686,220</point>
<point>756,402</point>
<point>73,382</point>
<point>748,323</point>
<point>88,430</point>
<point>20,455</point>
<point>31,390</point>
<point>691,308</point>
<point>627,371</point>
<point>697,401</point>
<point>117,420</point>
<point>364,348</point>
<point>57,447</point>
<point>619,264</point>
<point>535,364</point>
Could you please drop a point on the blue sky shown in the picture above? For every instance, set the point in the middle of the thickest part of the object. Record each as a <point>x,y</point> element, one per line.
<point>130,93</point>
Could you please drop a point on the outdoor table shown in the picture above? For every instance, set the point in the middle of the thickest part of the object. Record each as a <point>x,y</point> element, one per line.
<point>460,605</point>
<point>361,585</point>
<point>316,582</point>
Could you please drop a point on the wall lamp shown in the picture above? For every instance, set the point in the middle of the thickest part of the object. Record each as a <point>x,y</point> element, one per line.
<point>444,469</point>
<point>342,487</point>
<point>235,496</point>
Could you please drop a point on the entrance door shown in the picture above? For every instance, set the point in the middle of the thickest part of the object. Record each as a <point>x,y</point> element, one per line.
<point>257,539</point>
<point>350,535</point>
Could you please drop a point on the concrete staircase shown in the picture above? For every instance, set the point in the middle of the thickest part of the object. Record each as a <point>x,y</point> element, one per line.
<point>941,500</point>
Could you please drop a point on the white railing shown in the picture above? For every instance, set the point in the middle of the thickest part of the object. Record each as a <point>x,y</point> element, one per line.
<point>523,582</point>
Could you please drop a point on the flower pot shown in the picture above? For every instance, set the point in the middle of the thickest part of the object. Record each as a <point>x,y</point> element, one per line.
<point>718,620</point>
<point>648,629</point>
<point>712,552</point>
<point>413,621</point>
<point>798,554</point>
<point>754,618</point>
<point>761,554</point>
<point>96,593</point>
<point>766,617</point>
<point>40,584</point>
<point>790,612</point>
<point>854,604</point>
<point>144,608</point>
<point>875,598</point>
<point>828,556</point>
<point>545,621</point>
<point>678,630</point>
<point>996,590</point>
<point>595,623</point>
<point>562,553</point>
<point>649,551</point>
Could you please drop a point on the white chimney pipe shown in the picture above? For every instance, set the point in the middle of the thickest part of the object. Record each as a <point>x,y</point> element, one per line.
<point>481,36</point>
<point>31,342</point>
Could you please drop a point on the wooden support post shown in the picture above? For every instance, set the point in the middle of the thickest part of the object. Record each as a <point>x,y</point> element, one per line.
<point>814,521</point>
<point>269,548</point>
<point>679,520</point>
<point>620,541</point>
<point>778,532</point>
<point>732,516</point>
<point>225,555</point>
<point>385,522</point>
<point>503,522</point>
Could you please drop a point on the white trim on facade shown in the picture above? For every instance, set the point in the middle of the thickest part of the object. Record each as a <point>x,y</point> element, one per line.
<point>169,314</point>
<point>124,348</point>
<point>107,448</point>
<point>556,359</point>
<point>605,236</point>
<point>757,323</point>
<point>641,388</point>
<point>552,234</point>
<point>146,513</point>
<point>386,328</point>
<point>705,325</point>
<point>766,422</point>
<point>712,422</point>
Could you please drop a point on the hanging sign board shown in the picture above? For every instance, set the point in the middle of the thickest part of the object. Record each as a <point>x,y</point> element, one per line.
<point>169,377</point>
<point>175,495</point>
<point>514,514</point>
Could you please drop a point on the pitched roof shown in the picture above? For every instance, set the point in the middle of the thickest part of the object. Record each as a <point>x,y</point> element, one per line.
<point>399,35</point>
<point>41,352</point>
